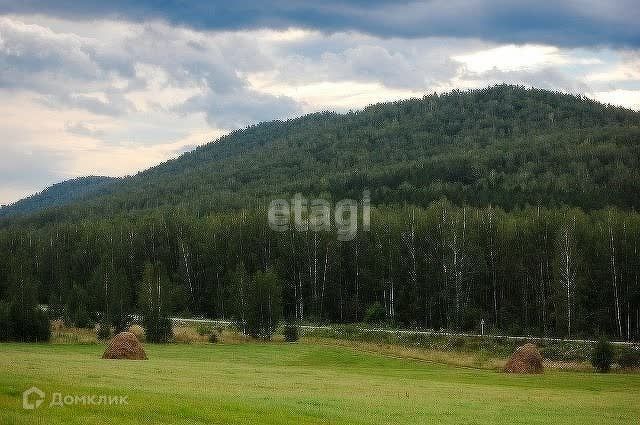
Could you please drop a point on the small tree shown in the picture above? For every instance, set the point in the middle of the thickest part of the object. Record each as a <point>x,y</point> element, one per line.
<point>157,329</point>
<point>76,312</point>
<point>374,313</point>
<point>291,332</point>
<point>104,329</point>
<point>602,356</point>
<point>154,304</point>
<point>5,323</point>
<point>22,319</point>
<point>264,304</point>
<point>240,283</point>
<point>119,302</point>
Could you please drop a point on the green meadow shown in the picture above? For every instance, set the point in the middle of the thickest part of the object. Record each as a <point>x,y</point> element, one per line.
<point>304,383</point>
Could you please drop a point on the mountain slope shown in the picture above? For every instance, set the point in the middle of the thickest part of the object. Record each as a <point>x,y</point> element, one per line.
<point>57,195</point>
<point>187,229</point>
<point>501,145</point>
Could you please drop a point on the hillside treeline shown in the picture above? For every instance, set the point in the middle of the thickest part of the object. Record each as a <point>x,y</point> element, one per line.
<point>555,272</point>
<point>503,145</point>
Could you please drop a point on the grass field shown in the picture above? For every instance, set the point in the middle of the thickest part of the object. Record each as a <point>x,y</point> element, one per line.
<point>303,383</point>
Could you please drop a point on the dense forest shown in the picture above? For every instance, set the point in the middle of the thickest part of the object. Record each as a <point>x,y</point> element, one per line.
<point>57,195</point>
<point>513,206</point>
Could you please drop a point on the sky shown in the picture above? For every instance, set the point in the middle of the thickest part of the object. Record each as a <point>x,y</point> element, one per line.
<point>111,88</point>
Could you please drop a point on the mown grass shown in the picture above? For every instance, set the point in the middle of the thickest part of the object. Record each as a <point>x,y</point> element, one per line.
<point>305,383</point>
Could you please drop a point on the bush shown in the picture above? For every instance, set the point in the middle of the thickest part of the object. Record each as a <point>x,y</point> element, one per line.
<point>602,356</point>
<point>375,313</point>
<point>120,321</point>
<point>203,329</point>
<point>24,324</point>
<point>157,329</point>
<point>291,333</point>
<point>5,323</point>
<point>76,312</point>
<point>41,327</point>
<point>629,358</point>
<point>104,330</point>
<point>264,304</point>
<point>138,331</point>
<point>213,337</point>
<point>186,334</point>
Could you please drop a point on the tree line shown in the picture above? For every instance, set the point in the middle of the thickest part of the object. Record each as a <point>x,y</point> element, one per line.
<point>538,271</point>
<point>502,145</point>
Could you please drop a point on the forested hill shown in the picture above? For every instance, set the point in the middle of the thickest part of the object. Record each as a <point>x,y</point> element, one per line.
<point>503,145</point>
<point>57,195</point>
<point>534,228</point>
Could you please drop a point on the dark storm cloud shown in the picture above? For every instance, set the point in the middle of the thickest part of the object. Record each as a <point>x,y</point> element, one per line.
<point>562,23</point>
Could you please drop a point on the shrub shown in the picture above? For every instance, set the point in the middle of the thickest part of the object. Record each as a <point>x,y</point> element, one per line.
<point>629,358</point>
<point>57,325</point>
<point>41,327</point>
<point>157,329</point>
<point>26,324</point>
<point>291,333</point>
<point>104,330</point>
<point>5,323</point>
<point>186,334</point>
<point>120,321</point>
<point>375,313</point>
<point>76,312</point>
<point>213,337</point>
<point>602,356</point>
<point>264,304</point>
<point>138,331</point>
<point>203,329</point>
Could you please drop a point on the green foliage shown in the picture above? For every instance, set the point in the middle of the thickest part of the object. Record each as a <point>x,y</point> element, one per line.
<point>154,302</point>
<point>57,195</point>
<point>264,304</point>
<point>497,204</point>
<point>203,329</point>
<point>291,332</point>
<point>375,313</point>
<point>239,293</point>
<point>502,145</point>
<point>104,329</point>
<point>445,277</point>
<point>76,313</point>
<point>628,358</point>
<point>22,319</point>
<point>602,356</point>
<point>157,329</point>
<point>30,324</point>
<point>6,327</point>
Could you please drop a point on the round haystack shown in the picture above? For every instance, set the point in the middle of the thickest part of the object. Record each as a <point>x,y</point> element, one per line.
<point>126,346</point>
<point>526,359</point>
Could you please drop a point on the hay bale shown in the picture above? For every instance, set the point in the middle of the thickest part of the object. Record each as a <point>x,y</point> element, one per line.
<point>126,346</point>
<point>526,359</point>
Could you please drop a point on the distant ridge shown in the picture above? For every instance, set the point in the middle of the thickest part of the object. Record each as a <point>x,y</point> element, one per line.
<point>57,195</point>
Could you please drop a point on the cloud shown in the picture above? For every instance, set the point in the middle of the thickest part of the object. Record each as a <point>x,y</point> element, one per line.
<point>114,95</point>
<point>85,129</point>
<point>566,23</point>
<point>627,98</point>
<point>241,107</point>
